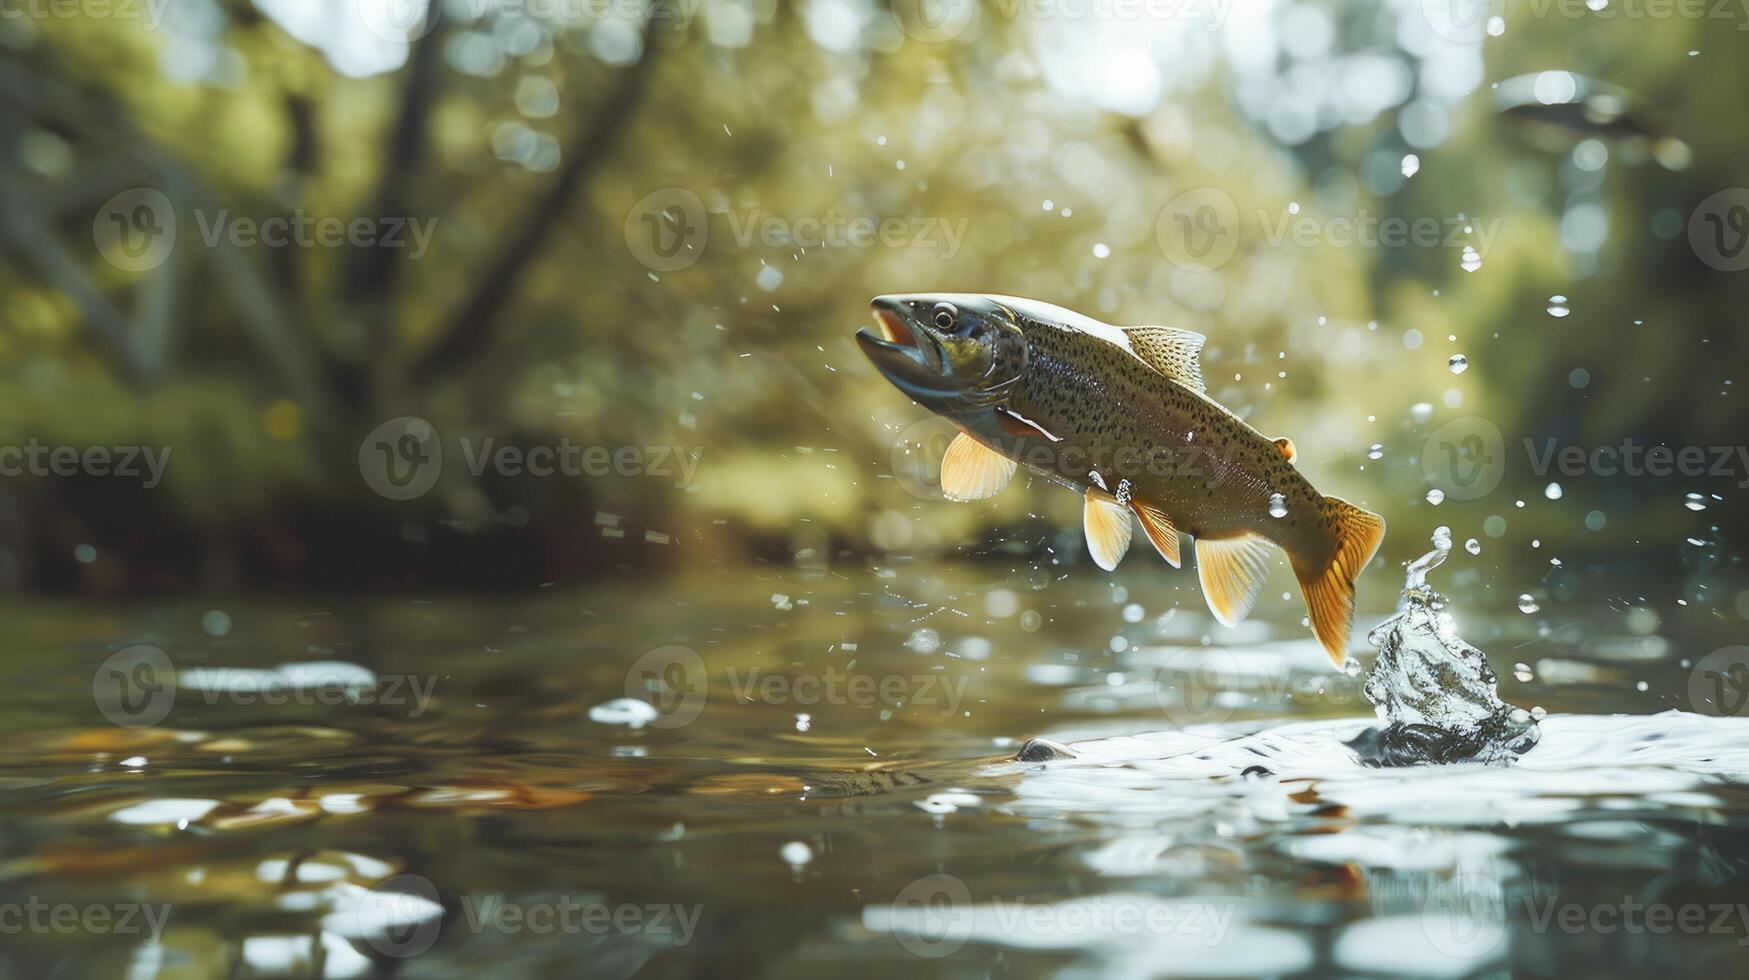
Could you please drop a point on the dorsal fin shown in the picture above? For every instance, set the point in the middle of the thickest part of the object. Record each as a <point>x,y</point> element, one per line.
<point>1288,452</point>
<point>1173,352</point>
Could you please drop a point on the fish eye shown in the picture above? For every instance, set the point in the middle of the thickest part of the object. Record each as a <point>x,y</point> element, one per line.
<point>944,315</point>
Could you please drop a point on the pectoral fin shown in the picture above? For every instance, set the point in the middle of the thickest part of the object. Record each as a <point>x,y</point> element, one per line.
<point>1107,524</point>
<point>973,471</point>
<point>1159,530</point>
<point>1173,352</point>
<point>1232,571</point>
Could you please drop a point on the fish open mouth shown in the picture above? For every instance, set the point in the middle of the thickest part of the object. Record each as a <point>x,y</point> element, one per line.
<point>893,328</point>
<point>898,350</point>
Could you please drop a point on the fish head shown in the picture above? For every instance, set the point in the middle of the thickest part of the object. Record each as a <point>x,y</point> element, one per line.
<point>949,352</point>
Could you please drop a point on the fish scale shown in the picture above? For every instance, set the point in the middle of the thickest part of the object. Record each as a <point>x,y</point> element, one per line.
<point>1103,400</point>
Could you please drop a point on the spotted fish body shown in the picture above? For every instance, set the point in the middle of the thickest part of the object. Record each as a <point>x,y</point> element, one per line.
<point>1215,475</point>
<point>1120,415</point>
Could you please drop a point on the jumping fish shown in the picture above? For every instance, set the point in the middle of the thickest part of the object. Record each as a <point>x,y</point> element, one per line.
<point>1121,415</point>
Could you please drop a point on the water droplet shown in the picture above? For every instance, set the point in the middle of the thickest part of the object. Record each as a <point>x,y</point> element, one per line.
<point>1421,412</point>
<point>1101,250</point>
<point>1442,538</point>
<point>1472,259</point>
<point>1277,505</point>
<point>1695,501</point>
<point>924,640</point>
<point>1473,546</point>
<point>1411,165</point>
<point>1642,686</point>
<point>1458,364</point>
<point>1521,673</point>
<point>1435,496</point>
<point>1539,712</point>
<point>1133,613</point>
<point>1558,306</point>
<point>804,722</point>
<point>1552,491</point>
<point>216,622</point>
<point>1527,605</point>
<point>629,712</point>
<point>797,853</point>
<point>1377,451</point>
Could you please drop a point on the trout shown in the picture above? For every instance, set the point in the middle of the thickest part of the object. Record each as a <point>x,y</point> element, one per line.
<point>1121,415</point>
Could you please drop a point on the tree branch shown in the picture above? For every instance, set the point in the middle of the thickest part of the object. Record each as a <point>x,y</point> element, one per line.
<point>372,272</point>
<point>470,326</point>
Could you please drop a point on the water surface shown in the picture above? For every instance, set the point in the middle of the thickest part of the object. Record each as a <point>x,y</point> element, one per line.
<point>822,782</point>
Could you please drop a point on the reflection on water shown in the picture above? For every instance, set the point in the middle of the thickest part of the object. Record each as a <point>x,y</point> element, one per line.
<point>820,778</point>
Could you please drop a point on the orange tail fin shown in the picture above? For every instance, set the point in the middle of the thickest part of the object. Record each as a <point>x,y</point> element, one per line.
<point>1329,590</point>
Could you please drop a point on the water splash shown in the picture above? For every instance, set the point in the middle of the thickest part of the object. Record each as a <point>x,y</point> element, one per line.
<point>1437,695</point>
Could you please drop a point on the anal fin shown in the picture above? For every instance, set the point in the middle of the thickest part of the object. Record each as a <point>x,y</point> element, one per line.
<point>1107,524</point>
<point>1159,529</point>
<point>973,471</point>
<point>1232,571</point>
